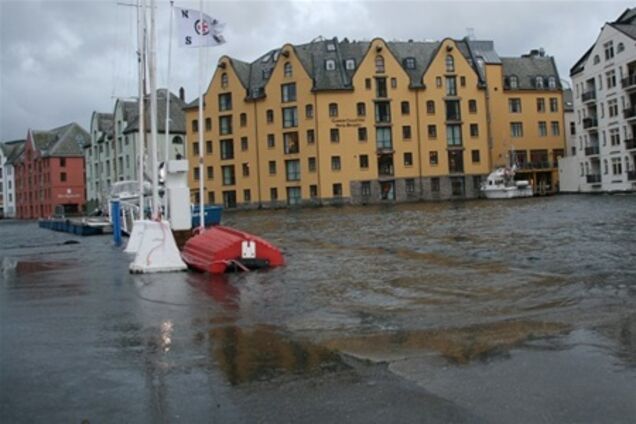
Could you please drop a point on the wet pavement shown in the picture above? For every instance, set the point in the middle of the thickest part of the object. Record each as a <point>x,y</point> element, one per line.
<point>516,311</point>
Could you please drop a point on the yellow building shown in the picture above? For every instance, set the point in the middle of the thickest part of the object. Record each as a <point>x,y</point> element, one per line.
<point>362,122</point>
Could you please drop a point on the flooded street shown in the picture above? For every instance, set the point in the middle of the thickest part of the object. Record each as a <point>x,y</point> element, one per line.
<point>514,311</point>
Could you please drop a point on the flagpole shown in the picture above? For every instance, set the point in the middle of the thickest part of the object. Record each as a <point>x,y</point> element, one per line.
<point>201,209</point>
<point>152,70</point>
<point>167,127</point>
<point>141,30</point>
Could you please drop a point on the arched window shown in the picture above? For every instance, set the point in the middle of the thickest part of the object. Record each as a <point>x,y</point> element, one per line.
<point>514,82</point>
<point>224,82</point>
<point>620,47</point>
<point>597,59</point>
<point>288,69</point>
<point>379,64</point>
<point>177,140</point>
<point>330,64</point>
<point>538,82</point>
<point>552,83</point>
<point>450,63</point>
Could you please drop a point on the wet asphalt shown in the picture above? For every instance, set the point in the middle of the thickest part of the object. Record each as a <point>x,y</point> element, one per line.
<point>520,311</point>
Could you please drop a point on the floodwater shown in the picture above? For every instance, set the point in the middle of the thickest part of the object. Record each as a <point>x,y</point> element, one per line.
<point>481,311</point>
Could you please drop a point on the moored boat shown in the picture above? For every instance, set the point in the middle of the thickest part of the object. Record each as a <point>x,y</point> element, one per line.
<point>501,184</point>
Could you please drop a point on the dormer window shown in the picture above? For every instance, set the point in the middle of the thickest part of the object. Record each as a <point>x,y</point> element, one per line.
<point>288,69</point>
<point>350,64</point>
<point>409,63</point>
<point>224,81</point>
<point>266,73</point>
<point>514,82</point>
<point>276,53</point>
<point>331,47</point>
<point>552,83</point>
<point>450,63</point>
<point>538,82</point>
<point>379,64</point>
<point>330,64</point>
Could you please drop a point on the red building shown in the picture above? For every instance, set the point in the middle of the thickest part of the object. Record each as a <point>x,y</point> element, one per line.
<point>50,172</point>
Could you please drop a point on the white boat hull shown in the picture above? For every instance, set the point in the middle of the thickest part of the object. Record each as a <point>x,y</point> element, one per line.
<point>508,192</point>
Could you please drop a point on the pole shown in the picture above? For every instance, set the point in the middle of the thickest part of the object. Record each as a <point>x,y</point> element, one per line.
<point>166,156</point>
<point>141,36</point>
<point>201,211</point>
<point>152,70</point>
<point>115,214</point>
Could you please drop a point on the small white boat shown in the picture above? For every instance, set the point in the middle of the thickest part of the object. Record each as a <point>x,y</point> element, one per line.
<point>501,184</point>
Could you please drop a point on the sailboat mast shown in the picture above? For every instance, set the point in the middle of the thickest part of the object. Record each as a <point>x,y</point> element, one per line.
<point>201,210</point>
<point>152,71</point>
<point>166,156</point>
<point>141,52</point>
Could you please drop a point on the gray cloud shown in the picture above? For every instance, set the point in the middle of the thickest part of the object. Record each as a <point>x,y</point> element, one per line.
<point>60,60</point>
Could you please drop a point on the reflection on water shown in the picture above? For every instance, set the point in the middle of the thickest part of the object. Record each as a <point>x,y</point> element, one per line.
<point>262,353</point>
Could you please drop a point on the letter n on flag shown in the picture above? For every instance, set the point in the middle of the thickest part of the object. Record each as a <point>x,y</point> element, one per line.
<point>197,29</point>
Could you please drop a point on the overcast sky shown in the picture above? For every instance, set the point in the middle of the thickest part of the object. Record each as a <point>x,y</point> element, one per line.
<point>61,60</point>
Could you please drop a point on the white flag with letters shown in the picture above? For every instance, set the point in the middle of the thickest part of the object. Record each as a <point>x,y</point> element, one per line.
<point>197,29</point>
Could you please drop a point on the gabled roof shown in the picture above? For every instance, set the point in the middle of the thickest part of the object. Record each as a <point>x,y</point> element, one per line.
<point>67,140</point>
<point>526,68</point>
<point>177,115</point>
<point>13,150</point>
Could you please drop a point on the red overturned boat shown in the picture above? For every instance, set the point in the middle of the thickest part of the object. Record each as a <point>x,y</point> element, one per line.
<point>219,249</point>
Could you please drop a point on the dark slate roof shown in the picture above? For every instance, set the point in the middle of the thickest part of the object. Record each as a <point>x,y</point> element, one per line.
<point>568,103</point>
<point>627,29</point>
<point>421,52</point>
<point>13,150</point>
<point>67,140</point>
<point>527,68</point>
<point>105,122</point>
<point>177,115</point>
<point>242,70</point>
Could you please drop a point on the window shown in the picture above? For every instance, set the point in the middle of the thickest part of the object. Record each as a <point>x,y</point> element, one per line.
<point>333,110</point>
<point>475,156</point>
<point>379,64</point>
<point>309,111</point>
<point>362,134</point>
<point>615,137</point>
<point>541,104</point>
<point>293,195</point>
<point>457,186</point>
<point>364,162</point>
<point>367,83</point>
<point>361,109</point>
<point>246,169</point>
<point>435,185</point>
<point>334,135</point>
<point>225,124</point>
<point>450,63</point>
<point>612,108</point>
<point>287,69</point>
<point>393,82</point>
<point>196,171</point>
<point>432,131</point>
<point>224,81</point>
<point>438,82</point>
<point>271,141</point>
<point>331,47</point>
<point>408,159</point>
<point>383,138</point>
<point>225,102</point>
<point>454,135</point>
<point>247,196</point>
<point>243,119</point>
<point>290,142</point>
<point>620,48</point>
<point>452,110</point>
<point>269,116</point>
<point>311,164</point>
<point>409,63</point>
<point>62,164</point>
<point>195,149</point>
<point>330,64</point>
<point>290,117</point>
<point>350,64</point>
<point>292,170</point>
<point>551,83</point>
<point>516,129</point>
<point>210,172</point>
<point>543,129</point>
<point>365,188</point>
<point>472,106</point>
<point>288,92</point>
<point>611,79</point>
<point>227,149</point>
<point>406,132</point>
<point>382,112</point>
<point>554,104</point>
<point>455,161</point>
<point>228,175</point>
<point>195,128</point>
<point>514,82</point>
<point>462,81</point>
<point>380,87</point>
<point>313,191</point>
<point>409,185</point>
<point>335,163</point>
<point>406,108</point>
<point>208,147</point>
<point>273,193</point>
<point>597,59</point>
<point>554,125</point>
<point>538,82</point>
<point>310,137</point>
<point>474,130</point>
<point>272,167</point>
<point>572,128</point>
<point>617,166</point>
<point>514,105</point>
<point>244,144</point>
<point>451,86</point>
<point>430,107</point>
<point>62,176</point>
<point>609,50</point>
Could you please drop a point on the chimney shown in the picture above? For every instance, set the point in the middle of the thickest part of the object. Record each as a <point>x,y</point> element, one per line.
<point>182,94</point>
<point>541,52</point>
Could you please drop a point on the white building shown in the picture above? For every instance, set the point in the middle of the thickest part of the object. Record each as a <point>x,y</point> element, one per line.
<point>9,152</point>
<point>604,82</point>
<point>112,155</point>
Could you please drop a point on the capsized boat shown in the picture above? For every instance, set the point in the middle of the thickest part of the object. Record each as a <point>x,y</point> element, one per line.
<point>501,184</point>
<point>219,249</point>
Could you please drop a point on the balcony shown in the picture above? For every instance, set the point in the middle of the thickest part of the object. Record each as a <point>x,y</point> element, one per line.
<point>384,149</point>
<point>536,165</point>
<point>631,175</point>
<point>630,143</point>
<point>630,113</point>
<point>590,124</point>
<point>593,178</point>
<point>588,96</point>
<point>591,150</point>
<point>629,83</point>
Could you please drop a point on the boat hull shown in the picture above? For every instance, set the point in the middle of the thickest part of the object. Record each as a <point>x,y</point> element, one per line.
<point>508,193</point>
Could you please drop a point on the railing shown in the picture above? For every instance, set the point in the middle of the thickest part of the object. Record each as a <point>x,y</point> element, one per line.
<point>590,123</point>
<point>588,95</point>
<point>629,113</point>
<point>591,150</point>
<point>630,143</point>
<point>537,165</point>
<point>629,82</point>
<point>631,175</point>
<point>593,178</point>
<point>385,171</point>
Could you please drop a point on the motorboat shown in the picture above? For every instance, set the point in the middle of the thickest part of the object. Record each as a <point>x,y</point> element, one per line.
<point>501,184</point>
